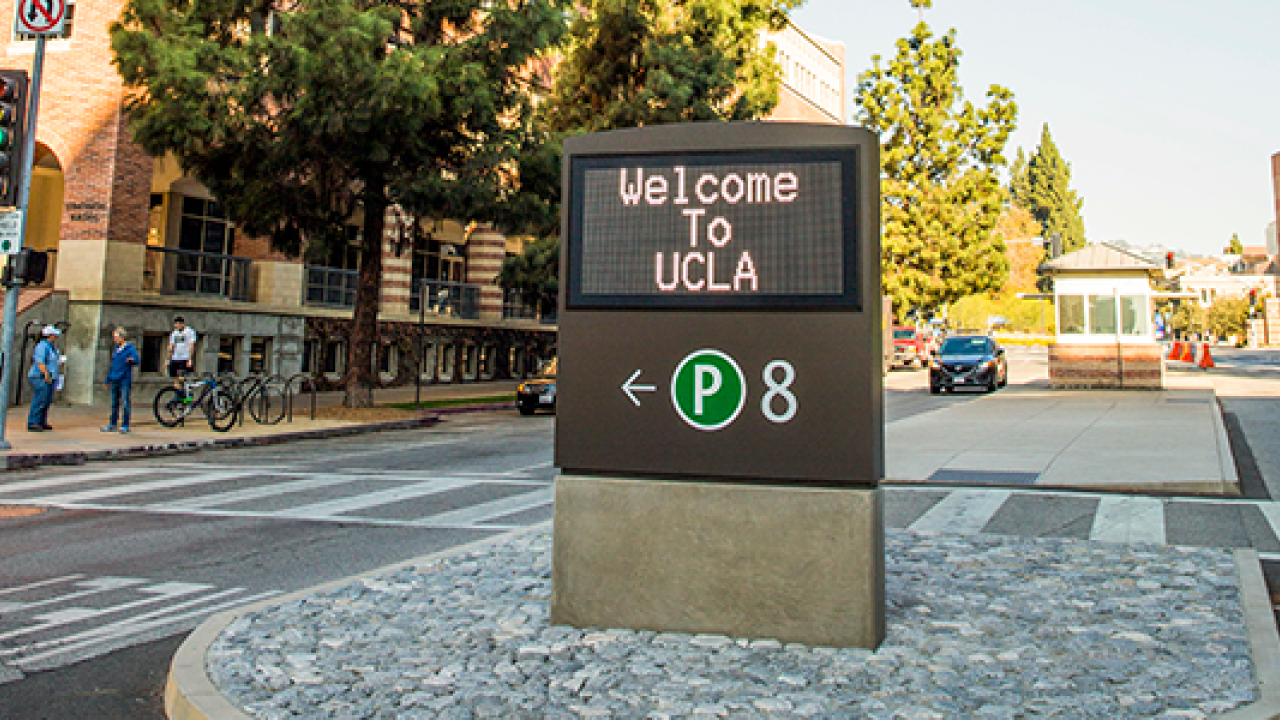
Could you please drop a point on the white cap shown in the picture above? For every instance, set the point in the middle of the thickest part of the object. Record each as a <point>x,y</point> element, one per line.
<point>50,330</point>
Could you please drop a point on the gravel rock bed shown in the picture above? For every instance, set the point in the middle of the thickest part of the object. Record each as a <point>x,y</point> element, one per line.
<point>978,627</point>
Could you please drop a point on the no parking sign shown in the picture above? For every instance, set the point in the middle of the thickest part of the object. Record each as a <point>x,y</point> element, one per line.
<point>41,17</point>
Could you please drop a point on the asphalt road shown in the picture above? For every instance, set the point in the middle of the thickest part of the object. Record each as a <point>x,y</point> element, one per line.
<point>123,559</point>
<point>97,590</point>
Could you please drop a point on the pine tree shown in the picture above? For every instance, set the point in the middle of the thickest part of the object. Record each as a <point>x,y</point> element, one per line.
<point>1236,247</point>
<point>1043,186</point>
<point>939,159</point>
<point>304,118</point>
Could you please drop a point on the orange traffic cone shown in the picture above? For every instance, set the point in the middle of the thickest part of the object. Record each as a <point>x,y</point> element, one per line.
<point>1186,355</point>
<point>1173,350</point>
<point>1206,360</point>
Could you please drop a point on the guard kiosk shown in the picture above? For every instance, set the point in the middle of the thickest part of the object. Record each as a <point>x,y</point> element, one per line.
<point>1102,297</point>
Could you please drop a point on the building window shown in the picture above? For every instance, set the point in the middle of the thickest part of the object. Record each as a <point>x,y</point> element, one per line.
<point>260,356</point>
<point>308,356</point>
<point>335,358</point>
<point>388,361</point>
<point>1071,315</point>
<point>203,229</point>
<point>1134,316</point>
<point>1102,314</point>
<point>153,353</point>
<point>228,352</point>
<point>66,27</point>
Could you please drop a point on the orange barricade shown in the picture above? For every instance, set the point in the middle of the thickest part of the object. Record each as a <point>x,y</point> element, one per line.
<point>1206,360</point>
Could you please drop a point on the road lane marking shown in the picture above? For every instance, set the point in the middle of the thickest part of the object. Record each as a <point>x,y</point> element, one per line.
<point>332,508</point>
<point>1129,519</point>
<point>162,592</point>
<point>479,513</point>
<point>40,584</point>
<point>93,587</point>
<point>7,488</point>
<point>962,511</point>
<point>311,482</point>
<point>168,483</point>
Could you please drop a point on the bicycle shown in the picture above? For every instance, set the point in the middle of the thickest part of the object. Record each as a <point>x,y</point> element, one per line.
<point>173,405</point>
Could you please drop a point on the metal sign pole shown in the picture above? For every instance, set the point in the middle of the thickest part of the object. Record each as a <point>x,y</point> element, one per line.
<point>15,286</point>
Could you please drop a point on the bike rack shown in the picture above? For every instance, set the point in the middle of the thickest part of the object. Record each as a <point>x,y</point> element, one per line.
<point>302,378</point>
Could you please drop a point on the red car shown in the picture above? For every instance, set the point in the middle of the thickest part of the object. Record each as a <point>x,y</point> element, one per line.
<point>908,348</point>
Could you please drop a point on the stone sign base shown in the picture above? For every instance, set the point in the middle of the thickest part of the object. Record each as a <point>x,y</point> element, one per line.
<point>1106,366</point>
<point>795,564</point>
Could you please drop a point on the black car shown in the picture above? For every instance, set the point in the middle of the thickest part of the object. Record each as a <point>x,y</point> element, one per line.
<point>538,392</point>
<point>968,361</point>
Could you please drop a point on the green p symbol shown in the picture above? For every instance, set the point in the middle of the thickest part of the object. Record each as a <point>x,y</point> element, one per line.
<point>708,389</point>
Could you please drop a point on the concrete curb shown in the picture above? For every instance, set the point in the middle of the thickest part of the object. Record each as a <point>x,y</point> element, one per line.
<point>1226,458</point>
<point>1264,640</point>
<point>22,461</point>
<point>189,694</point>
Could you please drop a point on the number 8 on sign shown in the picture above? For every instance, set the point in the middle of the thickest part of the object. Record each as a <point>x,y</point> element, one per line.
<point>779,390</point>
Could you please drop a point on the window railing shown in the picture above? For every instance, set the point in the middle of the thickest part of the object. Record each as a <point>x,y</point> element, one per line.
<point>331,287</point>
<point>515,307</point>
<point>171,271</point>
<point>445,299</point>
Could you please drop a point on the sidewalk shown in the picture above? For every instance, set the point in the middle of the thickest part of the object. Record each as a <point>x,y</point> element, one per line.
<point>77,437</point>
<point>1128,441</point>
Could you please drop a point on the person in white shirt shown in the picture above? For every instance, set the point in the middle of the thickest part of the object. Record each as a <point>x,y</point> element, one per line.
<point>182,342</point>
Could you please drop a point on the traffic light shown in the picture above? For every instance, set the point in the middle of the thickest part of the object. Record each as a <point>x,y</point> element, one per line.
<point>1168,260</point>
<point>29,266</point>
<point>13,117</point>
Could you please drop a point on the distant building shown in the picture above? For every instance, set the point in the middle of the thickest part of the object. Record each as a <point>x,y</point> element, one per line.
<point>1273,248</point>
<point>812,77</point>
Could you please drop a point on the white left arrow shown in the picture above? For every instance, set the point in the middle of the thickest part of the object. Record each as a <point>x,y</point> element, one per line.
<point>630,388</point>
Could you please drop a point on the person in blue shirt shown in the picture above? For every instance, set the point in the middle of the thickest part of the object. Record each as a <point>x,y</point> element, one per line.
<point>120,380</point>
<point>46,363</point>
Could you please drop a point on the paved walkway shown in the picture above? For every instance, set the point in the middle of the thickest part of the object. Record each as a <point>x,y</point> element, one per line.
<point>1165,442</point>
<point>77,434</point>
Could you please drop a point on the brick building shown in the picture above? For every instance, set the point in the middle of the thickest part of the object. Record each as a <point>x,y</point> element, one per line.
<point>135,242</point>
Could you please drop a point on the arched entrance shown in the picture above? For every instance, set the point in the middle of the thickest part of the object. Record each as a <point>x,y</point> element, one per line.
<point>44,208</point>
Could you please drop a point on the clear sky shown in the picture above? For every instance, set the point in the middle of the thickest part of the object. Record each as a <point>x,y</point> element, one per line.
<point>1167,110</point>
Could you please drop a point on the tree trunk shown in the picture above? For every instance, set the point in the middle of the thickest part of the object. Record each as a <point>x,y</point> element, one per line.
<point>364,320</point>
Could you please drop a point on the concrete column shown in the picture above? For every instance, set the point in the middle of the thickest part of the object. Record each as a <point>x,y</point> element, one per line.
<point>486,249</point>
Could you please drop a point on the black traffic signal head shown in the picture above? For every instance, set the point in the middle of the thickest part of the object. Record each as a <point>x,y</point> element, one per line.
<point>13,111</point>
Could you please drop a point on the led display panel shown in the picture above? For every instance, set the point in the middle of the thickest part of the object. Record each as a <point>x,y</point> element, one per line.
<point>747,230</point>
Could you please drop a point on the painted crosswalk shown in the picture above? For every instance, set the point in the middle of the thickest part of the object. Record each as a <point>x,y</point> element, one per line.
<point>399,498</point>
<point>51,622</point>
<point>517,497</point>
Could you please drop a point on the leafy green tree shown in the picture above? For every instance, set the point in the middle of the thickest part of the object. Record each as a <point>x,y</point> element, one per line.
<point>631,63</point>
<point>1236,247</point>
<point>306,116</point>
<point>1228,316</point>
<point>535,274</point>
<point>1189,317</point>
<point>1042,185</point>
<point>939,158</point>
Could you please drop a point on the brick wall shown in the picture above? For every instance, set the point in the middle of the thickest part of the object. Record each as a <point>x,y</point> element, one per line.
<point>1138,367</point>
<point>107,177</point>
